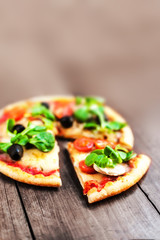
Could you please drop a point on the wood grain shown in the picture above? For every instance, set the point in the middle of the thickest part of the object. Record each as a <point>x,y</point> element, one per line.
<point>13,224</point>
<point>65,213</point>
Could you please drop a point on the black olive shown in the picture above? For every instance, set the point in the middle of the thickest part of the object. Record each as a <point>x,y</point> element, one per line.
<point>18,127</point>
<point>29,146</point>
<point>67,121</point>
<point>45,104</point>
<point>15,152</point>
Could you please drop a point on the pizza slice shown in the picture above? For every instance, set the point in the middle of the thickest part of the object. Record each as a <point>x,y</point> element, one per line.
<point>104,168</point>
<point>28,149</point>
<point>90,117</point>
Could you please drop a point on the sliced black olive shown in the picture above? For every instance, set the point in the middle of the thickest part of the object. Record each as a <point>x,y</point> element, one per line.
<point>45,104</point>
<point>67,121</point>
<point>29,146</point>
<point>15,152</point>
<point>18,127</point>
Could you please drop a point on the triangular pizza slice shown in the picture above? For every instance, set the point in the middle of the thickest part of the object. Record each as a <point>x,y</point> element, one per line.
<point>28,149</point>
<point>105,169</point>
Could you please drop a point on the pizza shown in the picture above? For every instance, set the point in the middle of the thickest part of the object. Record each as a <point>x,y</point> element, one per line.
<point>28,149</point>
<point>101,152</point>
<point>105,168</point>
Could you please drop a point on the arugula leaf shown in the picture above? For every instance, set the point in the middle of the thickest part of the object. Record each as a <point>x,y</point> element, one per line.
<point>82,114</point>
<point>114,125</point>
<point>5,146</point>
<point>39,109</point>
<point>91,125</point>
<point>10,125</point>
<point>44,141</point>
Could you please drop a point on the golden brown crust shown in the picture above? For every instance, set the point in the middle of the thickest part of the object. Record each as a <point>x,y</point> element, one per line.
<point>21,176</point>
<point>140,163</point>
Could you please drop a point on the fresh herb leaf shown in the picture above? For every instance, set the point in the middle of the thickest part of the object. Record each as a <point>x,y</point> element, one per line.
<point>42,110</point>
<point>82,114</point>
<point>114,125</point>
<point>120,148</point>
<point>90,159</point>
<point>10,125</point>
<point>48,123</point>
<point>35,130</point>
<point>79,100</point>
<point>20,139</point>
<point>98,151</point>
<point>44,141</point>
<point>4,146</point>
<point>123,155</point>
<point>94,100</point>
<point>91,125</point>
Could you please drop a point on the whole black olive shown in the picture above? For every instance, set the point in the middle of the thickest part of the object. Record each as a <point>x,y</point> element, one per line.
<point>67,121</point>
<point>18,127</point>
<point>15,152</point>
<point>45,104</point>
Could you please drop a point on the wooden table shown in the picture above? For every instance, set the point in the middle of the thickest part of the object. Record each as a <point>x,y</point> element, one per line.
<point>111,51</point>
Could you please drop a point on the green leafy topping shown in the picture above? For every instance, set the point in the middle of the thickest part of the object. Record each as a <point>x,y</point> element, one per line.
<point>36,135</point>
<point>82,114</point>
<point>109,157</point>
<point>5,146</point>
<point>10,125</point>
<point>93,107</point>
<point>44,141</point>
<point>39,109</point>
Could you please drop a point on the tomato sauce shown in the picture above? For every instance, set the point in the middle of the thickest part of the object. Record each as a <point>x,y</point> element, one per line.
<point>99,185</point>
<point>27,169</point>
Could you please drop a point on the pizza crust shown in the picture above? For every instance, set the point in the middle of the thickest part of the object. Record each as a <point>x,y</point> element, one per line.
<point>140,167</point>
<point>21,176</point>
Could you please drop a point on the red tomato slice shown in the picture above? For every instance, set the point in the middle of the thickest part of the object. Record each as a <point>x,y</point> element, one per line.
<point>84,144</point>
<point>16,113</point>
<point>63,108</point>
<point>86,169</point>
<point>101,144</point>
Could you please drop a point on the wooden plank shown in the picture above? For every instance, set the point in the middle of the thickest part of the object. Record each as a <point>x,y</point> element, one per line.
<point>65,214</point>
<point>13,224</point>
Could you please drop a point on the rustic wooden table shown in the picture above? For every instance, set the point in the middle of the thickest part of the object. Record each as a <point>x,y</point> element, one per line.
<point>47,47</point>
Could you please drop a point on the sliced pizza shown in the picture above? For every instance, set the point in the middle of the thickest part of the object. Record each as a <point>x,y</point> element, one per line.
<point>104,168</point>
<point>28,149</point>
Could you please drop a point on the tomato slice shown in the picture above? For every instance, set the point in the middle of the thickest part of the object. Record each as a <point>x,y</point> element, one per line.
<point>86,169</point>
<point>63,108</point>
<point>84,144</point>
<point>101,144</point>
<point>16,113</point>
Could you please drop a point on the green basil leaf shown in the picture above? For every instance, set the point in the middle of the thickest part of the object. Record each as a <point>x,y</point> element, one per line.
<point>82,114</point>
<point>98,151</point>
<point>79,100</point>
<point>48,123</point>
<point>130,155</point>
<point>5,146</point>
<point>111,153</point>
<point>94,100</point>
<point>42,110</point>
<point>119,147</point>
<point>101,161</point>
<point>20,139</point>
<point>44,141</point>
<point>90,159</point>
<point>123,155</point>
<point>10,125</point>
<point>35,130</point>
<point>115,125</point>
<point>91,125</point>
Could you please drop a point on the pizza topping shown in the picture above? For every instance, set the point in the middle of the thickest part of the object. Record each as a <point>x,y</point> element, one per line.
<point>84,144</point>
<point>35,135</point>
<point>99,185</point>
<point>67,121</point>
<point>119,169</point>
<point>45,104</point>
<point>15,151</point>
<point>86,169</point>
<point>16,113</point>
<point>101,144</point>
<point>18,128</point>
<point>109,161</point>
<point>63,108</point>
<point>91,112</point>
